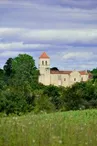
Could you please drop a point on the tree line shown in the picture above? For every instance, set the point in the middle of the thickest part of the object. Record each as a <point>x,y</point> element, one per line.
<point>20,91</point>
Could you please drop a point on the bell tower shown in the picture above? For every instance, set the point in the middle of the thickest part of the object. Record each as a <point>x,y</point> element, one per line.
<point>44,69</point>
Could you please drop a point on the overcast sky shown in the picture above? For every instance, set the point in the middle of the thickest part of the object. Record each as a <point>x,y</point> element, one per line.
<point>65,29</point>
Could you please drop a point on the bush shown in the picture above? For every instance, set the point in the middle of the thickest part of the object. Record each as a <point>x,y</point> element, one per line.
<point>43,104</point>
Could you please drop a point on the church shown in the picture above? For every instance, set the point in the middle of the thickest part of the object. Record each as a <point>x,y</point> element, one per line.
<point>57,77</point>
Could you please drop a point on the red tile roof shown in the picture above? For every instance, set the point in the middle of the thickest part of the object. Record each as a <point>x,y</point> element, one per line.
<point>67,72</point>
<point>44,55</point>
<point>83,72</point>
<point>60,72</point>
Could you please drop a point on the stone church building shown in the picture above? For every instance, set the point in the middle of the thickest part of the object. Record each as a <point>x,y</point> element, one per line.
<point>58,77</point>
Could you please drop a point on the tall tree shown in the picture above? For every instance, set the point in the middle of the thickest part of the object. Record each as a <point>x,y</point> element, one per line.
<point>1,73</point>
<point>8,67</point>
<point>94,73</point>
<point>1,79</point>
<point>24,69</point>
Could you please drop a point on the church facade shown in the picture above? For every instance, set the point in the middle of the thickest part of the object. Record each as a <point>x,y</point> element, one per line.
<point>57,77</point>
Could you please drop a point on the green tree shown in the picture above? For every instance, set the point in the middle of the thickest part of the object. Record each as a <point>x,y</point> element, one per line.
<point>2,83</point>
<point>8,70</point>
<point>94,73</point>
<point>53,93</point>
<point>8,67</point>
<point>12,102</point>
<point>24,70</point>
<point>55,69</point>
<point>73,97</point>
<point>1,73</point>
<point>43,104</point>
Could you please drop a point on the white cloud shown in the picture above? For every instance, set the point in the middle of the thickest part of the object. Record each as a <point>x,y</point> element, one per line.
<point>68,36</point>
<point>36,15</point>
<point>11,53</point>
<point>79,55</point>
<point>21,46</point>
<point>74,60</point>
<point>52,35</point>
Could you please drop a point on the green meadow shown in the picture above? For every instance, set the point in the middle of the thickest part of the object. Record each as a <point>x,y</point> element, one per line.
<point>73,128</point>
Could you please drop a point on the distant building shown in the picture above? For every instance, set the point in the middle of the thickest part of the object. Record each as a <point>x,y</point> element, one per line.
<point>57,77</point>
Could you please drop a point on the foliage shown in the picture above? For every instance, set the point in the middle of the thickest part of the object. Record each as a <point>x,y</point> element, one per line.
<point>55,68</point>
<point>20,75</point>
<point>94,73</point>
<point>43,104</point>
<point>24,69</point>
<point>8,67</point>
<point>1,73</point>
<point>53,93</point>
<point>20,91</point>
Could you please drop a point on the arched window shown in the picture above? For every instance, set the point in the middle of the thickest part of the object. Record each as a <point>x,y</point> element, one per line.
<point>42,62</point>
<point>45,62</point>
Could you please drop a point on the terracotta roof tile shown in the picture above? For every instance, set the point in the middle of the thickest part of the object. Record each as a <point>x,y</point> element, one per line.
<point>60,72</point>
<point>83,72</point>
<point>44,55</point>
<point>67,72</point>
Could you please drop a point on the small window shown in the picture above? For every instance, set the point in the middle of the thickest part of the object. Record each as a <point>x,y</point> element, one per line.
<point>82,79</point>
<point>64,79</point>
<point>42,62</point>
<point>45,62</point>
<point>74,79</point>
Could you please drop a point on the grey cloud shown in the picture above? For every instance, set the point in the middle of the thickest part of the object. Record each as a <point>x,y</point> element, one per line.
<point>84,36</point>
<point>33,26</point>
<point>65,3</point>
<point>46,16</point>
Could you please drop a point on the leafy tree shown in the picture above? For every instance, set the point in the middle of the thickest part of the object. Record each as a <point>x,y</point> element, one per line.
<point>2,83</point>
<point>8,70</point>
<point>54,68</point>
<point>53,93</point>
<point>43,104</point>
<point>24,69</point>
<point>94,72</point>
<point>12,102</point>
<point>1,73</point>
<point>72,97</point>
<point>8,67</point>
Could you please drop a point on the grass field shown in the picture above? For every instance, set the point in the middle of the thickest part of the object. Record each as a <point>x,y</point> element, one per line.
<point>74,128</point>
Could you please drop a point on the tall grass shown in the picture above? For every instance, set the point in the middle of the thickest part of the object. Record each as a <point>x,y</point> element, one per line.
<point>75,128</point>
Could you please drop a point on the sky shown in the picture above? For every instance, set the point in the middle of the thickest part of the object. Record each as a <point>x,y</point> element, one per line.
<point>65,29</point>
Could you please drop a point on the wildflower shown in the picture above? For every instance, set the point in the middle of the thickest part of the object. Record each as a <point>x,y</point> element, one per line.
<point>33,140</point>
<point>60,141</point>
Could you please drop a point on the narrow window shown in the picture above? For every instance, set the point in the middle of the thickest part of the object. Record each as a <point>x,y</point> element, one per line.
<point>74,79</point>
<point>45,62</point>
<point>82,79</point>
<point>42,62</point>
<point>64,79</point>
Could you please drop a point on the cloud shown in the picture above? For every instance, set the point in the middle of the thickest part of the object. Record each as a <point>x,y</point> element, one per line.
<point>87,36</point>
<point>79,55</point>
<point>63,3</point>
<point>67,36</point>
<point>40,16</point>
<point>10,54</point>
<point>79,3</point>
<point>70,60</point>
<point>67,30</point>
<point>22,46</point>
